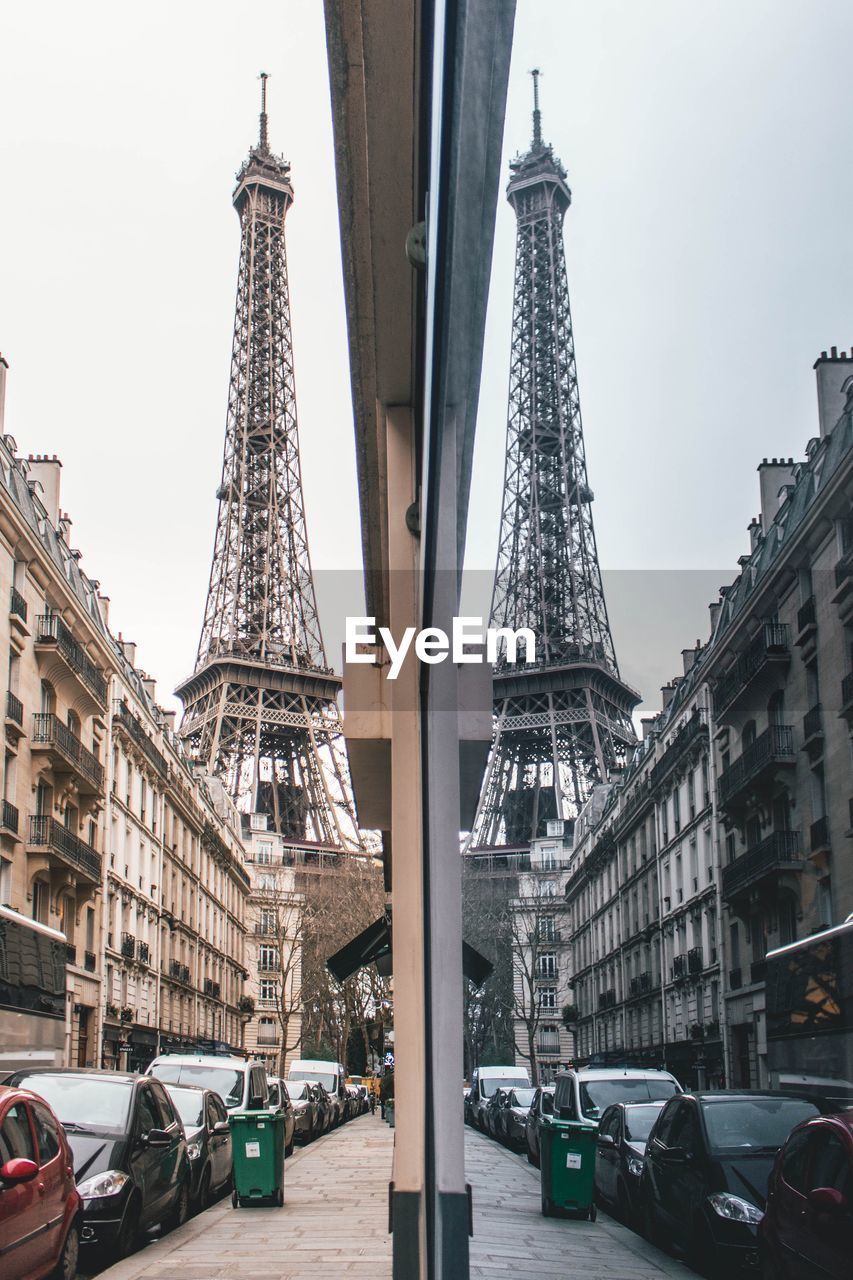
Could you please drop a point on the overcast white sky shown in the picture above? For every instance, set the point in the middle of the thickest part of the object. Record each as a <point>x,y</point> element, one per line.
<point>709,249</point>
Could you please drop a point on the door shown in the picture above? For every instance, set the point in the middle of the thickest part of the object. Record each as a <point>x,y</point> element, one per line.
<point>826,1238</point>
<point>23,1245</point>
<point>83,1037</point>
<point>686,1179</point>
<point>607,1157</point>
<point>146,1160</point>
<point>171,1157</point>
<point>220,1143</point>
<point>788,1207</point>
<point>658,1168</point>
<point>55,1176</point>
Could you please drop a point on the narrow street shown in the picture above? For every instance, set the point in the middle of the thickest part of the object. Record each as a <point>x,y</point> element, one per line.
<point>335,1223</point>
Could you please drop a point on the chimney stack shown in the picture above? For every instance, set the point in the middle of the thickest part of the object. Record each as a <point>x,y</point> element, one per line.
<point>128,648</point>
<point>834,374</point>
<point>754,531</point>
<point>45,470</point>
<point>168,719</point>
<point>647,724</point>
<point>4,365</point>
<point>104,602</point>
<point>773,475</point>
<point>666,693</point>
<point>150,687</point>
<point>63,527</point>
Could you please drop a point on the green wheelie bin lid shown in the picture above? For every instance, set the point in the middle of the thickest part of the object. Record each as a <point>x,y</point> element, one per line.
<point>567,1166</point>
<point>257,1149</point>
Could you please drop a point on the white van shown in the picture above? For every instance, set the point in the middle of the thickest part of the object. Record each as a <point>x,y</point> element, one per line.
<point>331,1075</point>
<point>241,1085</point>
<point>586,1093</point>
<point>484,1082</point>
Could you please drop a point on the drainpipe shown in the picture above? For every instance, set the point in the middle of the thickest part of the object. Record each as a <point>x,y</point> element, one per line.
<point>661,942</point>
<point>718,877</point>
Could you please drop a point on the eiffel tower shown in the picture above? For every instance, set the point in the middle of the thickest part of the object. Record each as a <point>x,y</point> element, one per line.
<point>564,721</point>
<point>260,706</point>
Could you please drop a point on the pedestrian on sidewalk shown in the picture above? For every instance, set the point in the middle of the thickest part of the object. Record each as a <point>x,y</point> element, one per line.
<point>386,1090</point>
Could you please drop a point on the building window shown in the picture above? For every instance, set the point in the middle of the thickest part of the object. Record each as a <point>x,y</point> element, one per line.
<point>267,1031</point>
<point>546,965</point>
<point>547,931</point>
<point>265,852</point>
<point>41,900</point>
<point>268,960</point>
<point>268,989</point>
<point>268,921</point>
<point>547,997</point>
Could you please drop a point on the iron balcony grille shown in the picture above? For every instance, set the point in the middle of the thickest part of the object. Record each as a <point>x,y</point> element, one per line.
<point>694,960</point>
<point>10,817</point>
<point>679,966</point>
<point>607,999</point>
<point>812,724</point>
<point>128,946</point>
<point>779,852</point>
<point>174,969</point>
<point>807,615</point>
<point>775,744</point>
<point>144,953</point>
<point>758,971</point>
<point>819,835</point>
<point>70,953</point>
<point>693,729</point>
<point>18,605</point>
<point>735,979</point>
<point>52,630</point>
<point>14,708</point>
<point>123,716</point>
<point>212,988</point>
<point>47,833</point>
<point>49,731</point>
<point>772,642</point>
<point>89,961</point>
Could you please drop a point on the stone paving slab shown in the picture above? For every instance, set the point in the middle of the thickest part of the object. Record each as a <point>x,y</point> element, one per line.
<point>334,1225</point>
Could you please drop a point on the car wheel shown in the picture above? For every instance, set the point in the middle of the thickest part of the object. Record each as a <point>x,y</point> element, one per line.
<point>180,1209</point>
<point>66,1267</point>
<point>128,1233</point>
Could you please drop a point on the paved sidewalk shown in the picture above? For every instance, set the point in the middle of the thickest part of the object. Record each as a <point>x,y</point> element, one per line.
<point>335,1224</point>
<point>511,1238</point>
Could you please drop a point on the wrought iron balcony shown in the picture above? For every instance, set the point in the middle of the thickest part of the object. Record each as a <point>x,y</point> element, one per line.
<point>70,953</point>
<point>143,952</point>
<point>49,836</point>
<point>758,971</point>
<point>52,631</point>
<point>679,967</point>
<point>18,605</point>
<point>212,988</point>
<point>771,647</point>
<point>125,719</point>
<point>67,751</point>
<point>819,835</point>
<point>780,852</point>
<point>128,946</point>
<point>89,961</point>
<point>694,960</point>
<point>806,619</point>
<point>813,728</point>
<point>14,708</point>
<point>757,764</point>
<point>270,964</point>
<point>694,728</point>
<point>607,999</point>
<point>735,979</point>
<point>641,984</point>
<point>9,817</point>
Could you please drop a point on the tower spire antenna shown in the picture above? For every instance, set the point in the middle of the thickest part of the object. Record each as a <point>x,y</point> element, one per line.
<point>537,114</point>
<point>264,139</point>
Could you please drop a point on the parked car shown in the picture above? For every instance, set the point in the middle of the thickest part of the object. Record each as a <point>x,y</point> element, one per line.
<point>807,1228</point>
<point>484,1082</point>
<point>326,1109</point>
<point>541,1106</point>
<point>129,1150</point>
<point>242,1085</point>
<point>514,1120</point>
<point>494,1114</point>
<point>279,1100</point>
<point>586,1093</point>
<point>205,1122</point>
<point>39,1201</point>
<point>621,1145</point>
<point>706,1169</point>
<point>331,1075</point>
<point>303,1097</point>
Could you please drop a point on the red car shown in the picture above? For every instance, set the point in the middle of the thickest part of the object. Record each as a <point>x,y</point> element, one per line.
<point>807,1229</point>
<point>39,1203</point>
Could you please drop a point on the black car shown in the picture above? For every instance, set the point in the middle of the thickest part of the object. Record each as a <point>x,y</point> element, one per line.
<point>707,1164</point>
<point>493,1116</point>
<point>514,1119</point>
<point>205,1122</point>
<point>130,1153</point>
<point>541,1106</point>
<point>621,1145</point>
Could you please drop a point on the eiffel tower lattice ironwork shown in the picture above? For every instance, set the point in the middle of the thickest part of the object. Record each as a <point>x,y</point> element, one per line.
<point>563,721</point>
<point>260,707</point>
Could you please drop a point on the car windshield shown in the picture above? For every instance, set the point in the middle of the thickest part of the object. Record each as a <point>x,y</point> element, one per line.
<point>737,1126</point>
<point>597,1095</point>
<point>502,1082</point>
<point>225,1081</point>
<point>325,1078</point>
<point>189,1104</point>
<point>522,1097</point>
<point>298,1091</point>
<point>83,1102</point>
<point>639,1121</point>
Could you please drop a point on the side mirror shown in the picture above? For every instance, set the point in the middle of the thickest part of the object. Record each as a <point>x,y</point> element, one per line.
<point>18,1170</point>
<point>155,1138</point>
<point>821,1199</point>
<point>222,1126</point>
<point>606,1140</point>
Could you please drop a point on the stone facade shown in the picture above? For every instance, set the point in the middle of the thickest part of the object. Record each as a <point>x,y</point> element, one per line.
<point>106,833</point>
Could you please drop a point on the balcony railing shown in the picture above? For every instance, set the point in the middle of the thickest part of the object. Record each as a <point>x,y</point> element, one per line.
<point>9,817</point>
<point>271,965</point>
<point>735,979</point>
<point>123,716</point>
<point>174,969</point>
<point>143,952</point>
<point>641,983</point>
<point>18,605</point>
<point>771,644</point>
<point>212,988</point>
<point>14,708</point>
<point>813,723</point>
<point>89,961</point>
<point>694,960</point>
<point>607,999</point>
<point>70,953</point>
<point>779,852</point>
<point>48,834</point>
<point>819,835</point>
<point>49,731</point>
<point>52,630</point>
<point>774,746</point>
<point>758,971</point>
<point>128,946</point>
<point>692,729</point>
<point>679,966</point>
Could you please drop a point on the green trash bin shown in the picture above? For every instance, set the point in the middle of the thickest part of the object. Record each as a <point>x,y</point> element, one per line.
<point>567,1166</point>
<point>257,1151</point>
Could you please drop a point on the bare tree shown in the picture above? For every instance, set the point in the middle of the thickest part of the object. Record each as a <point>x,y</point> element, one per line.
<point>282,923</point>
<point>531,921</point>
<point>487,1010</point>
